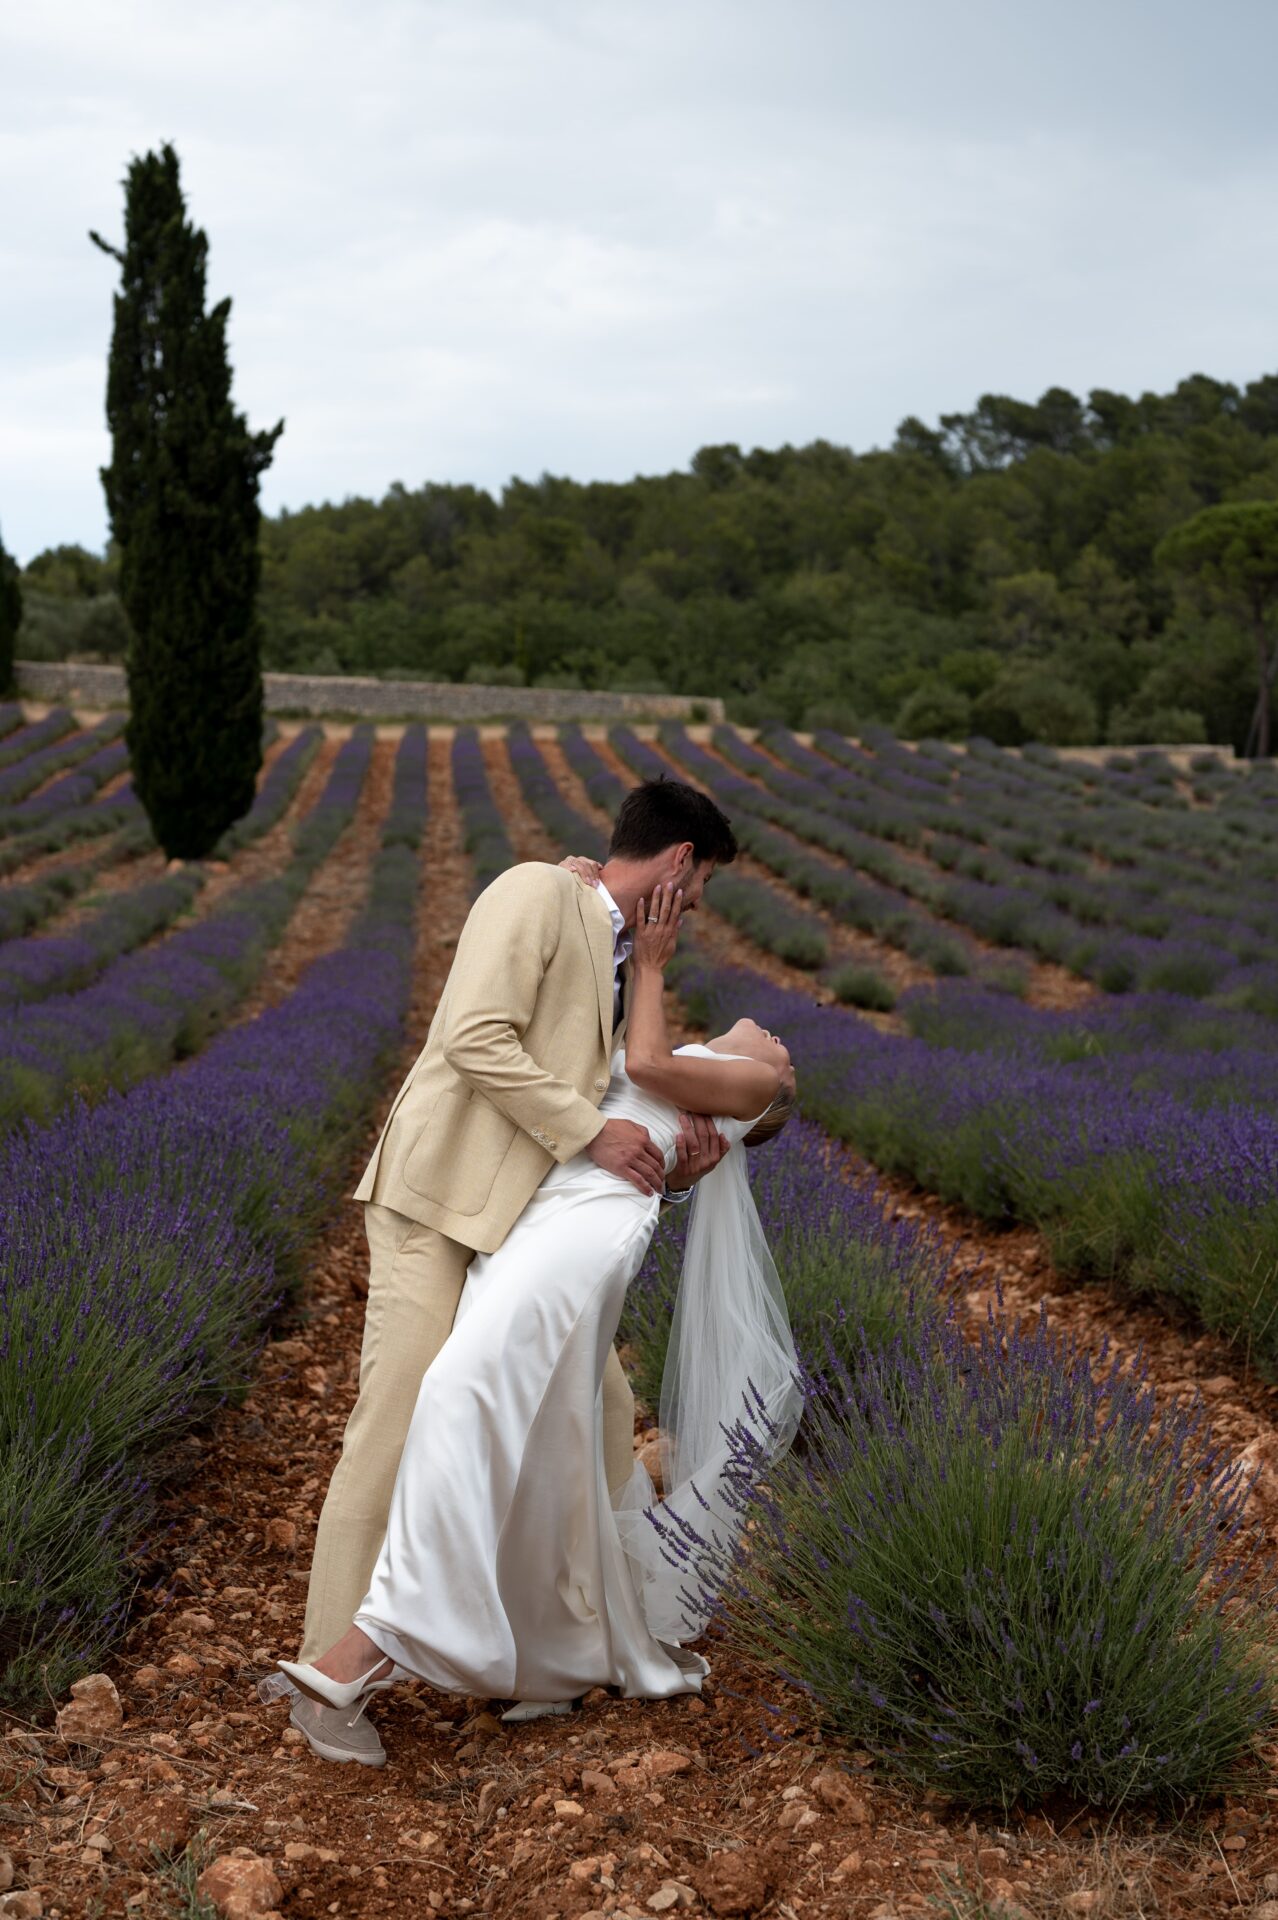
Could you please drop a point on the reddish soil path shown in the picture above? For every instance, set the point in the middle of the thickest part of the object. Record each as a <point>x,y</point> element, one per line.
<point>713,1805</point>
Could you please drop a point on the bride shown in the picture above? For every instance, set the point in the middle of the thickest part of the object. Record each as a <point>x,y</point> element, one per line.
<point>507,1571</point>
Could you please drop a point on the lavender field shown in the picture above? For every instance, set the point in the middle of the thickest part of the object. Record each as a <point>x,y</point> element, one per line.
<point>161,1177</point>
<point>1026,996</point>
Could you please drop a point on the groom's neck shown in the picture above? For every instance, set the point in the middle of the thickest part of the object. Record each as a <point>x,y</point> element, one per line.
<point>627,883</point>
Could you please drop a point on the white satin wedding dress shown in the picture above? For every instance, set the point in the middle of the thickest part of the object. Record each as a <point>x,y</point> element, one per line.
<point>507,1571</point>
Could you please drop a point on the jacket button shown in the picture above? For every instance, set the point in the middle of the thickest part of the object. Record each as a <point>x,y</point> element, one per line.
<point>601,1086</point>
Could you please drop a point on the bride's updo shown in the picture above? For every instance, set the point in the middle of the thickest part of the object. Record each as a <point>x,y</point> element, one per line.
<point>771,1121</point>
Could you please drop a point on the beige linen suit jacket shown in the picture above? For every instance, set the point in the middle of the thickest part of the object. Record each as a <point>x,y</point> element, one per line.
<point>515,1063</point>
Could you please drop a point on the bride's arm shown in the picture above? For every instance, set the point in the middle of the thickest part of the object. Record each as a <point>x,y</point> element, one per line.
<point>734,1089</point>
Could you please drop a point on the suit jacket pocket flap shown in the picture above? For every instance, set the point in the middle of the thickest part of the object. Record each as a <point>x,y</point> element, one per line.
<point>459,1152</point>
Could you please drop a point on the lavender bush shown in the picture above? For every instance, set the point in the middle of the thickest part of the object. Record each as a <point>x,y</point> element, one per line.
<point>1148,882</point>
<point>1010,1577</point>
<point>755,910</point>
<point>643,760</point>
<point>873,906</point>
<point>33,968</point>
<point>1140,1135</point>
<point>484,834</point>
<point>859,985</point>
<point>406,822</point>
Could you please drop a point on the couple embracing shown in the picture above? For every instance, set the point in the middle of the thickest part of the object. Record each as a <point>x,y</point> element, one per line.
<point>487,1528</point>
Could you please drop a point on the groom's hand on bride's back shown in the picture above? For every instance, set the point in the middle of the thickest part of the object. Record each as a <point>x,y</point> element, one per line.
<point>625,1148</point>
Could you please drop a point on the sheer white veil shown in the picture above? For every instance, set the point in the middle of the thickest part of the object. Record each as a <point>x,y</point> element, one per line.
<point>731,1361</point>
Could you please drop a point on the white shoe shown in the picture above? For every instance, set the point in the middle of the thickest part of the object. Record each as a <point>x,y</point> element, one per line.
<point>334,1734</point>
<point>535,1709</point>
<point>337,1693</point>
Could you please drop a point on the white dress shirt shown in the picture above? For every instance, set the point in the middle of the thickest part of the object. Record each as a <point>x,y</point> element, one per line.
<point>622,945</point>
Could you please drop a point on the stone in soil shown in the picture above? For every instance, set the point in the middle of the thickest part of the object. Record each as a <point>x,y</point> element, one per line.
<point>93,1712</point>
<point>241,1885</point>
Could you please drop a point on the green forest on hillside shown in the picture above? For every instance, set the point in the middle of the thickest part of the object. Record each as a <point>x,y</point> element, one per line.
<point>994,574</point>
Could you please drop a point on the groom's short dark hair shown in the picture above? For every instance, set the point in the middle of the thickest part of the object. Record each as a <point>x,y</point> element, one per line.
<point>661,813</point>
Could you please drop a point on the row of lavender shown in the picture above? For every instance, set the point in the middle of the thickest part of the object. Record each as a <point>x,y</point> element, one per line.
<point>1140,1136</point>
<point>20,737</point>
<point>874,906</point>
<point>1057,904</point>
<point>1120,901</point>
<point>147,1008</point>
<point>755,909</point>
<point>66,826</point>
<point>71,808</point>
<point>33,968</point>
<point>149,1239</point>
<point>484,835</point>
<point>1042,816</point>
<point>1140,1133</point>
<point>981,793</point>
<point>1005,1574</point>
<point>27,783</point>
<point>25,905</point>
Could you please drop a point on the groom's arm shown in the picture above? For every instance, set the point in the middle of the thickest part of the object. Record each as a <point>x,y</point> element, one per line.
<point>509,939</point>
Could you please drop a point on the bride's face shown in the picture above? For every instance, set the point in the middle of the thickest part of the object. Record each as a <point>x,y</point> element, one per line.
<point>748,1037</point>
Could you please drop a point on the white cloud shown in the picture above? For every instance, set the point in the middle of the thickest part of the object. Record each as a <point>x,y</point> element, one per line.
<point>466,239</point>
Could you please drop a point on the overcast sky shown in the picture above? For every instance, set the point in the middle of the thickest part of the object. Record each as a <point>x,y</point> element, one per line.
<point>466,240</point>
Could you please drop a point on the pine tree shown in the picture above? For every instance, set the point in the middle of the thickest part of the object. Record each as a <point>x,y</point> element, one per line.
<point>10,616</point>
<point>1229,556</point>
<point>181,491</point>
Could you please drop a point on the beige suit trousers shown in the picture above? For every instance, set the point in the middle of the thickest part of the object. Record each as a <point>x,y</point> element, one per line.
<point>415,1281</point>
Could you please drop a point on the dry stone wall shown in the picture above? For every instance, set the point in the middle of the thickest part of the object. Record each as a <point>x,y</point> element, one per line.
<point>317,696</point>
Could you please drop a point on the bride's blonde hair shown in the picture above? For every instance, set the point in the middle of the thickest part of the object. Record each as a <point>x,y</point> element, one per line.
<point>772,1119</point>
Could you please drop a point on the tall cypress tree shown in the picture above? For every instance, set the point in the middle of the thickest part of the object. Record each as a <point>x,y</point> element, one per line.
<point>181,491</point>
<point>10,616</point>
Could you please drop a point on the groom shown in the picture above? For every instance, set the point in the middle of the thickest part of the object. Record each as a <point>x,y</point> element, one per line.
<point>515,1064</point>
